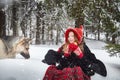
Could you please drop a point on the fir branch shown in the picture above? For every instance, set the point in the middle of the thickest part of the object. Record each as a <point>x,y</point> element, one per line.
<point>113,49</point>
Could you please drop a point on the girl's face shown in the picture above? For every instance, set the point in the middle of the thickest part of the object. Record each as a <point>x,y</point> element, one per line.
<point>71,38</point>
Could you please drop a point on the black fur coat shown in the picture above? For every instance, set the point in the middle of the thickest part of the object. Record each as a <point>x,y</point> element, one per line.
<point>88,63</point>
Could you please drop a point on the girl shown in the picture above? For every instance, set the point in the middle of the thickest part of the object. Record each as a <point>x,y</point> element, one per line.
<point>73,59</point>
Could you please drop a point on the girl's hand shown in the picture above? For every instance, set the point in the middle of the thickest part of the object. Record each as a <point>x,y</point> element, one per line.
<point>75,48</point>
<point>72,46</point>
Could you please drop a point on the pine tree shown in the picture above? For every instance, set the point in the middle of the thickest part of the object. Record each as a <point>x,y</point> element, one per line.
<point>113,49</point>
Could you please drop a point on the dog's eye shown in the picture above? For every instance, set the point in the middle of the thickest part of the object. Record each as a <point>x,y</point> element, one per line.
<point>27,48</point>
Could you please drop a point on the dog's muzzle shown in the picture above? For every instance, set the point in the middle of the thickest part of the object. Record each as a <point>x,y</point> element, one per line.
<point>26,56</point>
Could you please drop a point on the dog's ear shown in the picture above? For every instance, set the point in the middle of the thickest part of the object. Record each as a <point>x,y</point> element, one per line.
<point>25,40</point>
<point>29,40</point>
<point>22,41</point>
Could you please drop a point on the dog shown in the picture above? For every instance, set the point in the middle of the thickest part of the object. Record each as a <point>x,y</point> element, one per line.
<point>10,46</point>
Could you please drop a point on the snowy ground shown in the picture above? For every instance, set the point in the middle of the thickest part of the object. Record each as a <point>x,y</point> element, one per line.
<point>34,69</point>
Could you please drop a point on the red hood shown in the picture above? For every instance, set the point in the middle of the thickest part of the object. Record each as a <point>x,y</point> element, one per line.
<point>77,31</point>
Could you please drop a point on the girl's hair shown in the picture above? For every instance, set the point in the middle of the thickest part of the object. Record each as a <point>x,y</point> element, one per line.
<point>81,45</point>
<point>76,41</point>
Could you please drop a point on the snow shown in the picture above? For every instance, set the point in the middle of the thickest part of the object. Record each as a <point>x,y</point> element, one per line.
<point>34,69</point>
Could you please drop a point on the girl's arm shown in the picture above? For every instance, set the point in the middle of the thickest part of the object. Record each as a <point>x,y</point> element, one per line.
<point>52,57</point>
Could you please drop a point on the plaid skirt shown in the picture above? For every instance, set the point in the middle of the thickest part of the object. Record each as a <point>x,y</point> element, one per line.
<point>75,73</point>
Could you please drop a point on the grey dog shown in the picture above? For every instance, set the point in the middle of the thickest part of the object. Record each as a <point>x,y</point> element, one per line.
<point>10,46</point>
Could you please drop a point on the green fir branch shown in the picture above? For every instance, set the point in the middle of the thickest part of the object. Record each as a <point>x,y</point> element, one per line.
<point>113,49</point>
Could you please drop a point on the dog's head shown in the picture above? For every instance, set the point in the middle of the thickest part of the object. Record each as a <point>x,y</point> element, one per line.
<point>22,47</point>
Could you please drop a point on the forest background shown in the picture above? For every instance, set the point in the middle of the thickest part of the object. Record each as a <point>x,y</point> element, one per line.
<point>44,21</point>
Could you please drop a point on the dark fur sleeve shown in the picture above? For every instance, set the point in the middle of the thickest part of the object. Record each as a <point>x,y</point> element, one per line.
<point>96,65</point>
<point>89,54</point>
<point>51,57</point>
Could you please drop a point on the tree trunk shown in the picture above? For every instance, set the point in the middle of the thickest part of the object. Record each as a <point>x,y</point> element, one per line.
<point>38,29</point>
<point>98,32</point>
<point>30,34</point>
<point>86,35</point>
<point>14,20</point>
<point>106,35</point>
<point>43,30</point>
<point>113,39</point>
<point>79,21</point>
<point>2,24</point>
<point>57,36</point>
<point>51,34</point>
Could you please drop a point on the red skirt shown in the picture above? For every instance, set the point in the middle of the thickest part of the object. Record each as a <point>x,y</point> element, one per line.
<point>75,73</point>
